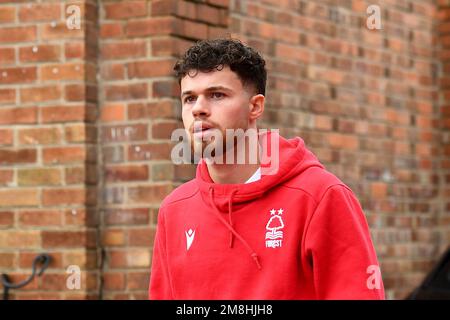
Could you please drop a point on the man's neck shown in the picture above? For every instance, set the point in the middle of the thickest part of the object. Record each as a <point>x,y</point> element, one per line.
<point>234,173</point>
<point>231,173</point>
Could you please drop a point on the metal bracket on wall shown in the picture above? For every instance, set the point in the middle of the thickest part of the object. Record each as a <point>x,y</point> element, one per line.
<point>43,259</point>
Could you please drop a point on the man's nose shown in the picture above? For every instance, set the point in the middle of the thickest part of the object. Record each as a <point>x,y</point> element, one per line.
<point>201,107</point>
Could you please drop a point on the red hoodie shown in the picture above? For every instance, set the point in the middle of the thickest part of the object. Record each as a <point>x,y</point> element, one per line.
<point>297,234</point>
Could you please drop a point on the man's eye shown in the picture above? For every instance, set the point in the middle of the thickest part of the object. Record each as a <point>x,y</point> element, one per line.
<point>189,99</point>
<point>217,95</point>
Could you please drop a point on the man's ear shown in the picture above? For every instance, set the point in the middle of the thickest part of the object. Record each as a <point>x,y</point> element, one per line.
<point>256,106</point>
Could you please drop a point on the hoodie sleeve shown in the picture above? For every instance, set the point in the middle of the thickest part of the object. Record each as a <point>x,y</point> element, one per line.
<point>160,285</point>
<point>339,247</point>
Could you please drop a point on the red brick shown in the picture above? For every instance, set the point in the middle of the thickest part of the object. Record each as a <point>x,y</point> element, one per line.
<point>136,216</point>
<point>40,12</point>
<point>113,281</point>
<point>80,132</point>
<point>39,218</point>
<point>67,113</point>
<point>190,29</point>
<point>141,237</point>
<point>80,217</point>
<point>26,259</point>
<point>343,141</point>
<point>112,112</point>
<point>82,258</point>
<point>7,14</point>
<point>6,136</point>
<point>38,176</point>
<point>123,49</point>
<point>184,172</point>
<point>378,190</point>
<point>6,220</point>
<point>54,281</point>
<point>163,47</point>
<point>208,14</point>
<point>7,56</point>
<point>57,31</point>
<point>40,53</point>
<point>80,92</point>
<point>215,32</point>
<point>64,154</point>
<point>40,94</point>
<point>113,71</point>
<point>220,3</point>
<point>163,130</point>
<point>17,34</point>
<point>151,27</point>
<point>18,75</point>
<point>126,91</point>
<point>149,69</point>
<point>125,10</point>
<point>113,237</point>
<point>138,280</point>
<point>75,50</point>
<point>131,258</point>
<point>165,89</point>
<point>39,136</point>
<point>85,174</point>
<point>152,194</point>
<point>6,177</point>
<point>111,30</point>
<point>7,96</point>
<point>7,260</point>
<point>124,133</point>
<point>18,156</point>
<point>153,151</point>
<point>160,109</point>
<point>68,239</point>
<point>19,239</point>
<point>73,71</point>
<point>126,173</point>
<point>54,197</point>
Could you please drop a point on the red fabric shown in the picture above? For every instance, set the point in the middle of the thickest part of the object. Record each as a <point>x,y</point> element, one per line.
<point>296,234</point>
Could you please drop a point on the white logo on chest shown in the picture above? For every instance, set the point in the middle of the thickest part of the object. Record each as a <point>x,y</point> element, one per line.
<point>190,234</point>
<point>274,236</point>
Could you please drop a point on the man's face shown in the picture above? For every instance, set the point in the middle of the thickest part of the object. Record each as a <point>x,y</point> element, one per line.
<point>213,102</point>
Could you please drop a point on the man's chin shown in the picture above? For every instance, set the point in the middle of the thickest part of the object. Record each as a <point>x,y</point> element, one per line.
<point>206,150</point>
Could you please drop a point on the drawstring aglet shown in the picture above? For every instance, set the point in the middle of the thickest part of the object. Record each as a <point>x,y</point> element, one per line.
<point>256,259</point>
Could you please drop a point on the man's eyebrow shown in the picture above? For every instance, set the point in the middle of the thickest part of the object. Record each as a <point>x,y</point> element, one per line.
<point>214,88</point>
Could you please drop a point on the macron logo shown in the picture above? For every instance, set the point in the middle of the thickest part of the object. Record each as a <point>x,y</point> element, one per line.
<point>189,238</point>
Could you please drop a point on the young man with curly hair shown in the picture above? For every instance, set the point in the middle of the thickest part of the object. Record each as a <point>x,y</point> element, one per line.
<point>238,231</point>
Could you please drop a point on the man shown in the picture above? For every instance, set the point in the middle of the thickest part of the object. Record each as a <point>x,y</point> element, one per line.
<point>238,231</point>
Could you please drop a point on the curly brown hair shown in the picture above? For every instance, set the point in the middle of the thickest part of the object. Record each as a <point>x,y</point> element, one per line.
<point>207,55</point>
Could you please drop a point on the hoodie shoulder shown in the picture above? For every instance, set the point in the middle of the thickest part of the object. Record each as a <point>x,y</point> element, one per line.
<point>183,192</point>
<point>315,181</point>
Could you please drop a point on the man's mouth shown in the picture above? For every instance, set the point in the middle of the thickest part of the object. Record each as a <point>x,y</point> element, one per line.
<point>201,128</point>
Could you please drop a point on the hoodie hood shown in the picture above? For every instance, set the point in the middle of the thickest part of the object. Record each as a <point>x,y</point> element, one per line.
<point>293,158</point>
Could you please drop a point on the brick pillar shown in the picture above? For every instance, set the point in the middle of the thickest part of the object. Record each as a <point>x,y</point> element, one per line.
<point>139,102</point>
<point>48,146</point>
<point>443,53</point>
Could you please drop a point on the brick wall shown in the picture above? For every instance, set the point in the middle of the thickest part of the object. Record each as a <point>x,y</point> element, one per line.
<point>443,123</point>
<point>86,117</point>
<point>48,146</point>
<point>366,102</point>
